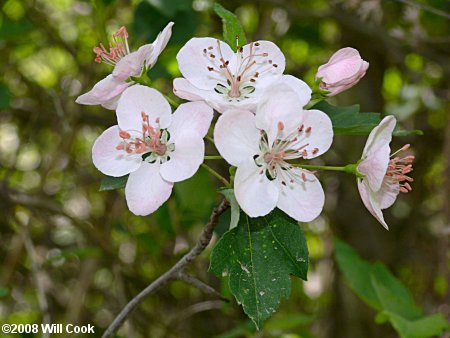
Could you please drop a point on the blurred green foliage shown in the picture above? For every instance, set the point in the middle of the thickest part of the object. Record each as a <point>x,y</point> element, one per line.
<point>89,255</point>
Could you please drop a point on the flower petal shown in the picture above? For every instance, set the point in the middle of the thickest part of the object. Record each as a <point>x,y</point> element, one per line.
<point>269,59</point>
<point>159,44</point>
<point>137,99</point>
<point>130,65</point>
<point>236,136</point>
<point>300,87</point>
<point>146,190</point>
<point>255,193</point>
<point>111,161</point>
<point>103,91</point>
<point>320,136</point>
<point>191,117</point>
<point>302,200</point>
<point>380,135</point>
<point>193,62</point>
<point>185,159</point>
<point>374,167</point>
<point>370,201</point>
<point>388,193</point>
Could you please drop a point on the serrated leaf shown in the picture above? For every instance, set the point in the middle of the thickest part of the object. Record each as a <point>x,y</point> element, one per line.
<point>232,28</point>
<point>259,255</point>
<point>350,121</point>
<point>235,210</point>
<point>112,183</point>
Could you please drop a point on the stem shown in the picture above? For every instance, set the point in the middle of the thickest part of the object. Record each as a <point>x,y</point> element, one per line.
<point>210,139</point>
<point>172,273</point>
<point>172,101</point>
<point>349,168</point>
<point>216,174</point>
<point>213,157</point>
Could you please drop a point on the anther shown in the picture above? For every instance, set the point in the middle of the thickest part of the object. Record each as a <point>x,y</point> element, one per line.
<point>121,146</point>
<point>211,68</point>
<point>300,129</point>
<point>124,134</point>
<point>280,126</point>
<point>315,151</point>
<point>275,65</point>
<point>303,177</point>
<point>308,130</point>
<point>256,44</point>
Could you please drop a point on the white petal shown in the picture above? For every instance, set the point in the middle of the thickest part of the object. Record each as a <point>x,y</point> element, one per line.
<point>374,167</point>
<point>130,65</point>
<point>103,91</point>
<point>137,99</point>
<point>185,159</point>
<point>380,135</point>
<point>302,200</point>
<point>193,62</point>
<point>280,105</point>
<point>300,87</point>
<point>159,44</point>
<point>255,193</point>
<point>111,161</point>
<point>370,201</point>
<point>272,64</point>
<point>146,190</point>
<point>320,138</point>
<point>236,136</point>
<point>111,104</point>
<point>191,117</point>
<point>388,193</point>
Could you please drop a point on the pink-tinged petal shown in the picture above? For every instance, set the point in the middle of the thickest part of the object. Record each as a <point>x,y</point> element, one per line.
<point>146,190</point>
<point>282,104</point>
<point>111,104</point>
<point>380,135</point>
<point>320,135</point>
<point>189,118</point>
<point>130,65</point>
<point>388,193</point>
<point>103,91</point>
<point>236,136</point>
<point>193,62</point>
<point>185,159</point>
<point>301,88</point>
<point>344,64</point>
<point>187,91</point>
<point>272,64</point>
<point>374,167</point>
<point>255,193</point>
<point>302,200</point>
<point>138,99</point>
<point>159,44</point>
<point>370,202</point>
<point>108,159</point>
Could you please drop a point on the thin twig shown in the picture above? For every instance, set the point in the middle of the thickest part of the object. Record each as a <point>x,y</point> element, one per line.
<point>201,244</point>
<point>205,288</point>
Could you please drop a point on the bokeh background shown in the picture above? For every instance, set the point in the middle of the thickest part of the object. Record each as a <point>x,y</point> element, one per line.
<point>72,254</point>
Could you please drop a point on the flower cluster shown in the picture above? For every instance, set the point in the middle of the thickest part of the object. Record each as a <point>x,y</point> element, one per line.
<point>264,128</point>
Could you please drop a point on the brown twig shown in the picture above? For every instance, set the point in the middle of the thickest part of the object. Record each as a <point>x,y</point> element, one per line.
<point>205,288</point>
<point>201,244</point>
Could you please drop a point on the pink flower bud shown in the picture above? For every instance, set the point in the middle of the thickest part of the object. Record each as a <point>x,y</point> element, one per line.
<point>344,69</point>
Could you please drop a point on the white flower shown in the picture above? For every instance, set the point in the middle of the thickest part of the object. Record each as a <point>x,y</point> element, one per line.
<point>385,175</point>
<point>153,145</point>
<point>261,145</point>
<point>225,79</point>
<point>126,64</point>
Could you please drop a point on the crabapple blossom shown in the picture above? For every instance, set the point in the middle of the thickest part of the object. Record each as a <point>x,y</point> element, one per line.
<point>226,79</point>
<point>344,69</point>
<point>155,147</point>
<point>385,176</point>
<point>126,64</point>
<point>261,145</point>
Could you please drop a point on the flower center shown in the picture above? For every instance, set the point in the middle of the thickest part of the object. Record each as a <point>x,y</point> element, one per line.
<point>239,82</point>
<point>117,50</point>
<point>152,141</point>
<point>399,168</point>
<point>273,158</point>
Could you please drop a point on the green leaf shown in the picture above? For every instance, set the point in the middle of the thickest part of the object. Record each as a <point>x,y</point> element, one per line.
<point>424,327</point>
<point>375,285</point>
<point>169,8</point>
<point>235,210</point>
<point>259,255</point>
<point>350,121</point>
<point>232,28</point>
<point>4,292</point>
<point>112,183</point>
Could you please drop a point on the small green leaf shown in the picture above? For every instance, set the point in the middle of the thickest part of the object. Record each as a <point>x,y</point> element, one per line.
<point>112,183</point>
<point>259,255</point>
<point>232,28</point>
<point>350,121</point>
<point>235,210</point>
<point>430,326</point>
